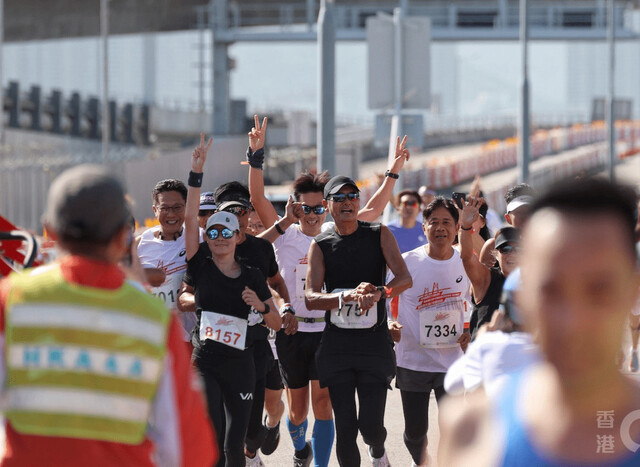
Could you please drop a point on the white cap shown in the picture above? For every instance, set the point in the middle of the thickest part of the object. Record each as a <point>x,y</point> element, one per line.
<point>519,201</point>
<point>230,221</point>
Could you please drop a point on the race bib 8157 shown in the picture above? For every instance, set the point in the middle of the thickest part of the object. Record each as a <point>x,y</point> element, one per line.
<point>225,329</point>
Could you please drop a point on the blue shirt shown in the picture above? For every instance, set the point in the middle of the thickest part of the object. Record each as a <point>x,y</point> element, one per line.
<point>408,239</point>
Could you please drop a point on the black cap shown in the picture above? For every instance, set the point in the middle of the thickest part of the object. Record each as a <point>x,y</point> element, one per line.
<point>232,191</point>
<point>507,235</point>
<point>336,183</point>
<point>87,204</point>
<point>229,204</point>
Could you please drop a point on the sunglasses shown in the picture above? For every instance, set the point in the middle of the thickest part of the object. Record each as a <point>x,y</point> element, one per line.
<point>509,249</point>
<point>205,212</point>
<point>212,234</point>
<point>411,203</point>
<point>342,197</point>
<point>319,209</point>
<point>237,210</point>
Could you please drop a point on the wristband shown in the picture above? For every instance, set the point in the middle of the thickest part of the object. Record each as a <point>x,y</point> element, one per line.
<point>390,174</point>
<point>278,228</point>
<point>255,159</point>
<point>287,308</point>
<point>266,310</point>
<point>462,228</point>
<point>195,179</point>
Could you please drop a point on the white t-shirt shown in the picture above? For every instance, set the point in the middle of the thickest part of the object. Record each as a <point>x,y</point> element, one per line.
<point>291,254</point>
<point>171,257</point>
<point>431,312</point>
<point>489,361</point>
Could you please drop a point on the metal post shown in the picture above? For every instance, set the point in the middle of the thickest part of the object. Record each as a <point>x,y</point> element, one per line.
<point>310,13</point>
<point>104,32</point>
<point>326,133</point>
<point>398,55</point>
<point>220,61</point>
<point>149,73</point>
<point>610,115</point>
<point>524,142</point>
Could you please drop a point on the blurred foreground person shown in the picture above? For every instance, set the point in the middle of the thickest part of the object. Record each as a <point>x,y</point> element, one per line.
<point>96,371</point>
<point>579,283</point>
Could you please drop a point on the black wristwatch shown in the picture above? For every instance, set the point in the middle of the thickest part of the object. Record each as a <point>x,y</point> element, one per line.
<point>383,291</point>
<point>266,309</point>
<point>391,175</point>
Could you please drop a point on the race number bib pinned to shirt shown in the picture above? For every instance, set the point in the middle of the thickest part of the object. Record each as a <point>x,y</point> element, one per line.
<point>350,316</point>
<point>441,325</point>
<point>301,277</point>
<point>225,329</point>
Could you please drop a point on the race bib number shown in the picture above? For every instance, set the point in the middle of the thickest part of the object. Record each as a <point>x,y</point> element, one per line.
<point>350,316</point>
<point>168,292</point>
<point>225,329</point>
<point>442,324</point>
<point>301,277</point>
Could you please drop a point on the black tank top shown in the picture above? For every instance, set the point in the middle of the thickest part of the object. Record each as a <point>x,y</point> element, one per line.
<point>483,311</point>
<point>352,259</point>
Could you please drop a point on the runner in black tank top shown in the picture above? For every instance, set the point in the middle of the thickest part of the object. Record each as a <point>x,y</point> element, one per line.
<point>356,352</point>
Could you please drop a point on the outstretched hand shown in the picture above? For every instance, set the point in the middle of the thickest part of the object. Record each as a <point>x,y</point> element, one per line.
<point>470,212</point>
<point>199,155</point>
<point>402,155</point>
<point>257,134</point>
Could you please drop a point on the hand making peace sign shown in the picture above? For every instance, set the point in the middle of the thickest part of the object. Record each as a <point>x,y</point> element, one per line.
<point>199,155</point>
<point>257,134</point>
<point>401,155</point>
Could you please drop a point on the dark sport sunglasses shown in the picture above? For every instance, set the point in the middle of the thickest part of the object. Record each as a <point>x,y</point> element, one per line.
<point>509,249</point>
<point>319,209</point>
<point>212,234</point>
<point>342,197</point>
<point>411,203</point>
<point>237,210</point>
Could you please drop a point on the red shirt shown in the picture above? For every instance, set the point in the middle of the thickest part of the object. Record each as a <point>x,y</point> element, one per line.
<point>185,437</point>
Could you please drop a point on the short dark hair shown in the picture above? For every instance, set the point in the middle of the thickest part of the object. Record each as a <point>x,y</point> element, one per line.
<point>521,189</point>
<point>170,184</point>
<point>440,202</point>
<point>413,193</point>
<point>231,188</point>
<point>308,182</point>
<point>588,196</point>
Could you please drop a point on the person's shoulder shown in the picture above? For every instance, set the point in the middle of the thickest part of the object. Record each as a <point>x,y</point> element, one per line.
<point>468,431</point>
<point>327,233</point>
<point>150,233</point>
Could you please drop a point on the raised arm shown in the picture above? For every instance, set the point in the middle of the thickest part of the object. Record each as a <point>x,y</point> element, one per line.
<point>255,156</point>
<point>375,206</point>
<point>191,232</point>
<point>478,274</point>
<point>293,212</point>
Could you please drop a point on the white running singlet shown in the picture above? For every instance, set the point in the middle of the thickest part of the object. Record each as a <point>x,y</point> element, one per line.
<point>291,254</point>
<point>171,257</point>
<point>431,312</point>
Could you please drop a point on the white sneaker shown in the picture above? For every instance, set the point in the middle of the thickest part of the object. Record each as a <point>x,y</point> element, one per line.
<point>381,461</point>
<point>255,462</point>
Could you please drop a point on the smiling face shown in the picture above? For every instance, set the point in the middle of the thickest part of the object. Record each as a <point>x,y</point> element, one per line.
<point>440,227</point>
<point>222,246</point>
<point>311,223</point>
<point>347,211</point>
<point>169,210</point>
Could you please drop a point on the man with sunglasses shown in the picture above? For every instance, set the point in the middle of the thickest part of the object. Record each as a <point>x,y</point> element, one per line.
<point>356,352</point>
<point>292,236</point>
<point>162,251</point>
<point>407,231</point>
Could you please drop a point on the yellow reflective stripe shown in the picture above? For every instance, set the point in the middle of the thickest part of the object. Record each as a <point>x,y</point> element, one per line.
<point>83,360</point>
<point>78,402</point>
<point>53,336</point>
<point>79,317</point>
<point>73,426</point>
<point>106,384</point>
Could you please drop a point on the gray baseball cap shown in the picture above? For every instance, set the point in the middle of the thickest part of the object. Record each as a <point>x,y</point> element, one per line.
<point>87,204</point>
